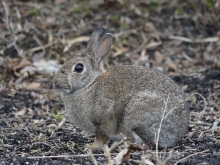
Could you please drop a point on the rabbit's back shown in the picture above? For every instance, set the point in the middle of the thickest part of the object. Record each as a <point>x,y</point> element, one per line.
<point>126,81</point>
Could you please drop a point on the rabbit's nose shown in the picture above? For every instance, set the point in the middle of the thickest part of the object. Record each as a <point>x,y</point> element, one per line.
<point>55,83</point>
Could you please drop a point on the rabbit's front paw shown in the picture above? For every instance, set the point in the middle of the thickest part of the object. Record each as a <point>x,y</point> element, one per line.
<point>97,144</point>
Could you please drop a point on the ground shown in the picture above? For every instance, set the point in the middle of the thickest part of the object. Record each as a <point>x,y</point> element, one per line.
<point>179,38</point>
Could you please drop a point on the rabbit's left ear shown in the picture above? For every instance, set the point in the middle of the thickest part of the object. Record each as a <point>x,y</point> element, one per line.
<point>103,47</point>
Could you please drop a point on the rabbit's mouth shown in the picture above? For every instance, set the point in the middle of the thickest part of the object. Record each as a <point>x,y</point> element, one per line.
<point>67,91</point>
<point>57,86</point>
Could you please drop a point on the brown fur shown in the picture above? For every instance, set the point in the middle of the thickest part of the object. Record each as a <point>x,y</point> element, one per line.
<point>124,99</point>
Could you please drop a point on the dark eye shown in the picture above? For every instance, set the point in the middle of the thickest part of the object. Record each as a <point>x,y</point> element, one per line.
<point>78,68</point>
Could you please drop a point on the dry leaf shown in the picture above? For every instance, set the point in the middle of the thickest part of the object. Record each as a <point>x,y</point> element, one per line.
<point>33,85</point>
<point>152,45</point>
<point>171,65</point>
<point>16,126</point>
<point>30,112</point>
<point>212,54</point>
<point>42,138</point>
<point>134,147</point>
<point>147,162</point>
<point>4,61</point>
<point>21,112</point>
<point>149,27</point>
<point>16,65</point>
<point>24,62</point>
<point>60,125</point>
<point>173,43</point>
<point>124,155</point>
<point>120,157</point>
<point>52,126</point>
<point>159,57</point>
<point>145,2</point>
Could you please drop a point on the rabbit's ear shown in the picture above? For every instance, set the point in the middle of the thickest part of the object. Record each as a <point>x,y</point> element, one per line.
<point>103,47</point>
<point>94,38</point>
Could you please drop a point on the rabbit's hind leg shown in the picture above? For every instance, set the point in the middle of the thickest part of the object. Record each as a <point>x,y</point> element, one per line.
<point>167,137</point>
<point>136,138</point>
<point>142,133</point>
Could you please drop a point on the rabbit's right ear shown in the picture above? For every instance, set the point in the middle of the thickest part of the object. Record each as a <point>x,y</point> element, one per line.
<point>103,47</point>
<point>99,45</point>
<point>94,38</point>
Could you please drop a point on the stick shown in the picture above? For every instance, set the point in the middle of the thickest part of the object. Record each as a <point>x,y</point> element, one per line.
<point>159,129</point>
<point>205,106</point>
<point>211,39</point>
<point>66,156</point>
<point>115,145</point>
<point>107,152</point>
<point>181,160</point>
<point>92,157</point>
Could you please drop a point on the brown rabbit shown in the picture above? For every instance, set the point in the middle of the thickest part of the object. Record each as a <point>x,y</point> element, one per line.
<point>131,100</point>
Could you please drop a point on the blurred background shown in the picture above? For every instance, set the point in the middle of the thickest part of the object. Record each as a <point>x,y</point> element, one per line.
<point>168,35</point>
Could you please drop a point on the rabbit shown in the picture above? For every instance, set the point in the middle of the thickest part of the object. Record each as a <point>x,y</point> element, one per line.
<point>129,100</point>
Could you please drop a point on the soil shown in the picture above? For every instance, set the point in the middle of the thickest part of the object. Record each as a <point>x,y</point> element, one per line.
<point>179,38</point>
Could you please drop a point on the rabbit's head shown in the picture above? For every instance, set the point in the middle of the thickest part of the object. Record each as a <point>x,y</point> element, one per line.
<point>82,70</point>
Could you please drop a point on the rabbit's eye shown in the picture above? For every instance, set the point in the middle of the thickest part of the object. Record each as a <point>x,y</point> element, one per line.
<point>78,68</point>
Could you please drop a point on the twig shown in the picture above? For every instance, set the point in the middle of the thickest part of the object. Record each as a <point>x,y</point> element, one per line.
<point>60,125</point>
<point>79,39</point>
<point>118,50</point>
<point>50,43</point>
<point>210,130</point>
<point>66,156</point>
<point>117,35</point>
<point>199,122</point>
<point>39,43</point>
<point>18,13</point>
<point>92,157</point>
<point>159,129</point>
<point>143,159</point>
<point>211,39</point>
<point>143,45</point>
<point>115,145</point>
<point>70,145</point>
<point>107,152</point>
<point>169,157</point>
<point>184,159</point>
<point>148,162</point>
<point>2,145</point>
<point>146,45</point>
<point>10,29</point>
<point>6,15</point>
<point>205,106</point>
<point>35,5</point>
<point>187,57</point>
<point>42,143</point>
<point>216,122</point>
<point>207,113</point>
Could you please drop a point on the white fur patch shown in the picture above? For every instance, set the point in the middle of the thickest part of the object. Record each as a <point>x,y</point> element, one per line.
<point>147,93</point>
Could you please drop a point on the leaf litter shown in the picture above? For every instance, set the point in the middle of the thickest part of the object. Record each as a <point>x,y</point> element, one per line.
<point>180,39</point>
